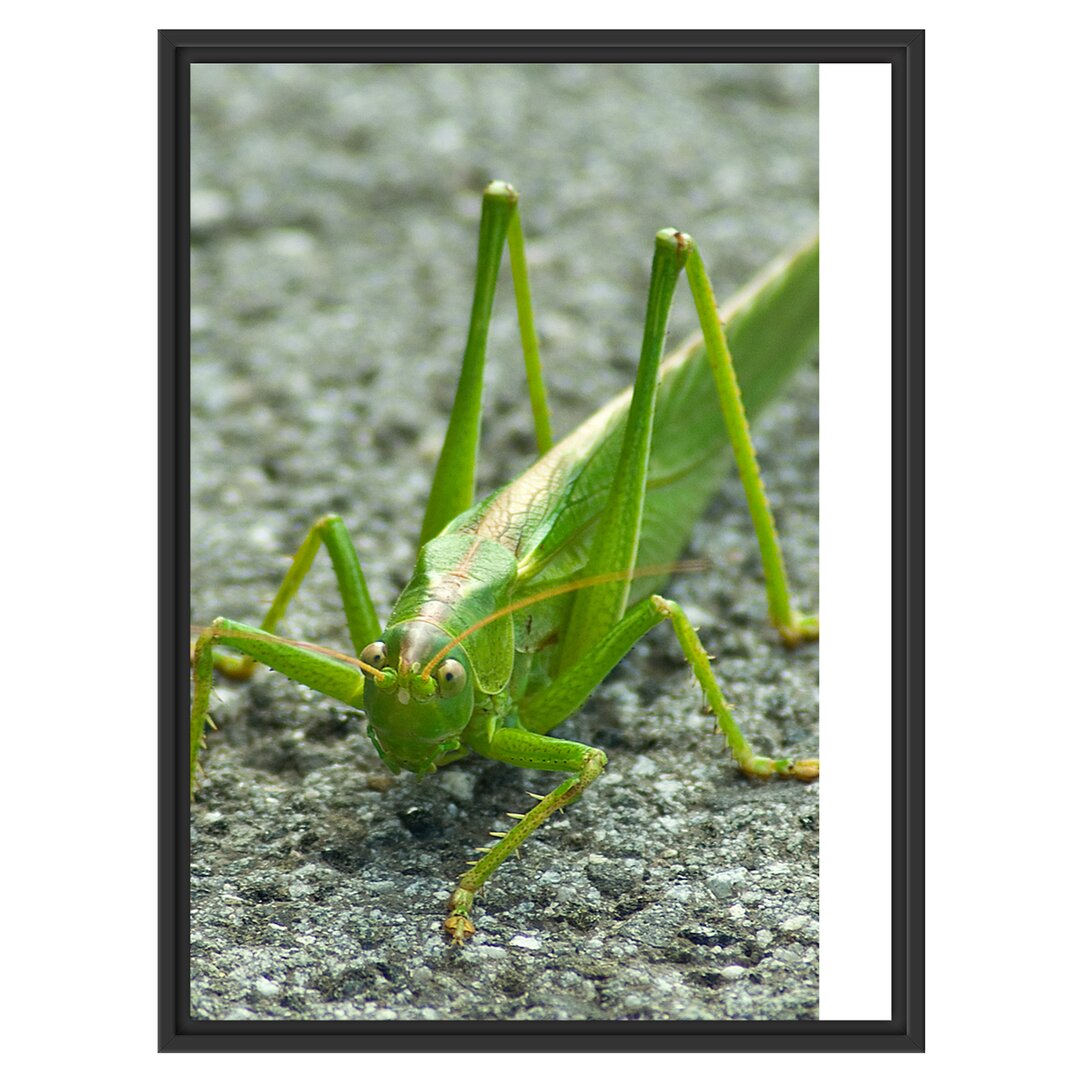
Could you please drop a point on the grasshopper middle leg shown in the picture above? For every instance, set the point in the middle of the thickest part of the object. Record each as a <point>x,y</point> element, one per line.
<point>548,707</point>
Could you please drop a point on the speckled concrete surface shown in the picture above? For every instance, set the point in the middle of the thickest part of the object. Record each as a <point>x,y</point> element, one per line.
<point>334,212</point>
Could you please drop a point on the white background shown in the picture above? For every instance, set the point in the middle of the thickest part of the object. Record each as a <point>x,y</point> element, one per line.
<point>77,424</point>
<point>856,541</point>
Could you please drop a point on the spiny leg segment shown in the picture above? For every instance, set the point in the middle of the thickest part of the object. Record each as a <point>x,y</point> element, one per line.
<point>527,750</point>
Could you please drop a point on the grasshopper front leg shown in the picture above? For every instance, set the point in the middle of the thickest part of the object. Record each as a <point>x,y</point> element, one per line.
<point>323,670</point>
<point>360,616</point>
<point>527,750</point>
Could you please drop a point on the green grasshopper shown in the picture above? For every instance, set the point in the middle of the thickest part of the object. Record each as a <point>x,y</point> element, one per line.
<point>520,605</point>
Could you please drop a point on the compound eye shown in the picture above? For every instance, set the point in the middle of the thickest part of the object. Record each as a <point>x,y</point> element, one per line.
<point>375,655</point>
<point>450,677</point>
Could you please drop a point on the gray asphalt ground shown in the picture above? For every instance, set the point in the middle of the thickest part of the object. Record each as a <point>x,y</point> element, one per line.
<point>334,214</point>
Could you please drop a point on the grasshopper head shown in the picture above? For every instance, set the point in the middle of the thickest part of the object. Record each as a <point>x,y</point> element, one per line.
<point>416,719</point>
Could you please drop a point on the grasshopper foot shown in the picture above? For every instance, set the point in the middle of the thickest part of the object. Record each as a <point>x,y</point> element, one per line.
<point>459,926</point>
<point>763,768</point>
<point>802,628</point>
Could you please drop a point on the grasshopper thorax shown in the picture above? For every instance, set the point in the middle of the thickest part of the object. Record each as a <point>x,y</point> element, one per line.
<point>415,720</point>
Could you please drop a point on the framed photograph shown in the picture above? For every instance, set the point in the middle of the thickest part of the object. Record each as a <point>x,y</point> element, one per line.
<point>490,686</point>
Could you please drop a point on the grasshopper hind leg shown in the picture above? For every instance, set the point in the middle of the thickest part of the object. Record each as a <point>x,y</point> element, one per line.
<point>793,626</point>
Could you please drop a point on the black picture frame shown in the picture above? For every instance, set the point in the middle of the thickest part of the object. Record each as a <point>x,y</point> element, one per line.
<point>903,51</point>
